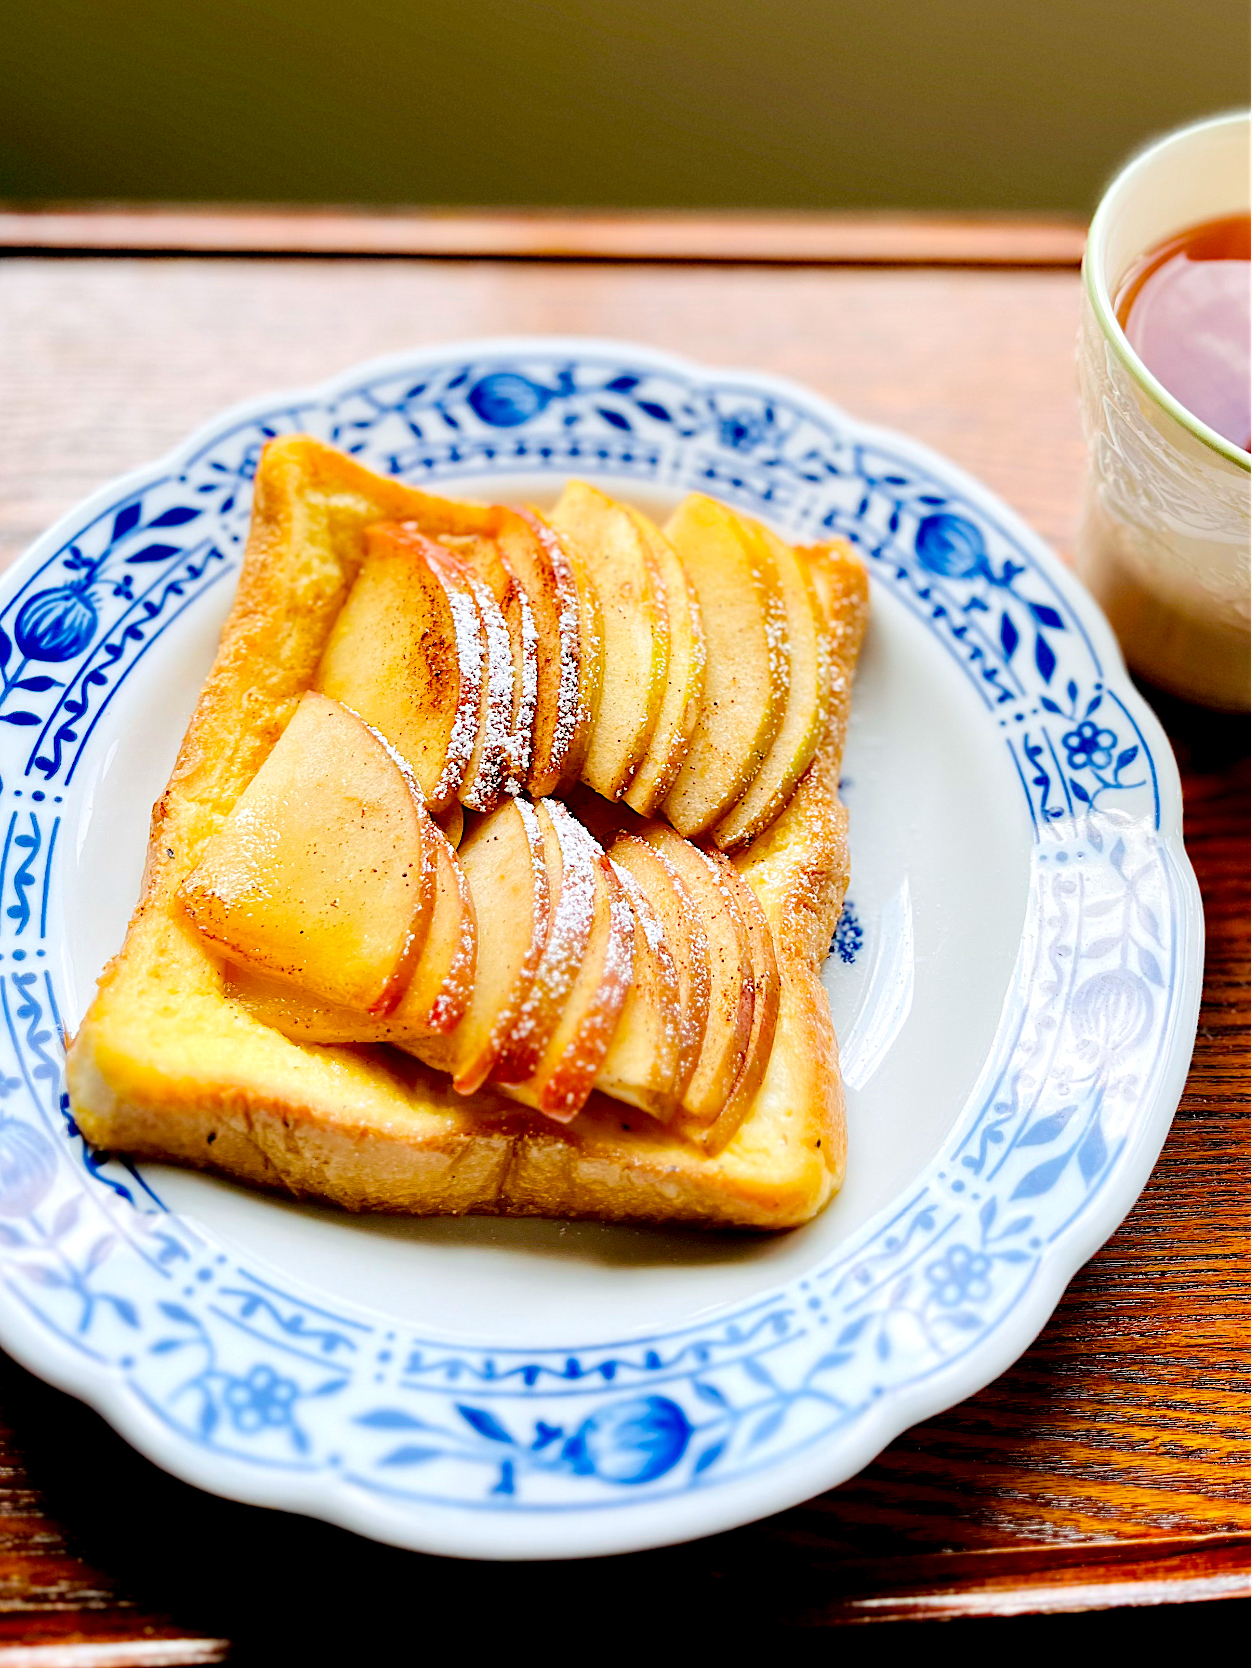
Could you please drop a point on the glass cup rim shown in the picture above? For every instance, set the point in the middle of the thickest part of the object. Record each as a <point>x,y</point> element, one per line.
<point>1102,305</point>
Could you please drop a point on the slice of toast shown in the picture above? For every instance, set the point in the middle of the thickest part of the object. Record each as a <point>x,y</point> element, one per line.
<point>167,1066</point>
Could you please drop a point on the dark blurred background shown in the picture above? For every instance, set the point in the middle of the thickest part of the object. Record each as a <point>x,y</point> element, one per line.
<point>951,104</point>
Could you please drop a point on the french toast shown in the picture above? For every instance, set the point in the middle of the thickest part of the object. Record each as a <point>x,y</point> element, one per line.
<point>171,1063</point>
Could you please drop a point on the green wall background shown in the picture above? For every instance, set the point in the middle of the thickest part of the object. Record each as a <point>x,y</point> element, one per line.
<point>722,103</point>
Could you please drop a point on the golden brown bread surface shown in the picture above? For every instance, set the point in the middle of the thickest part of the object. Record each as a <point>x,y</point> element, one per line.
<point>166,1065</point>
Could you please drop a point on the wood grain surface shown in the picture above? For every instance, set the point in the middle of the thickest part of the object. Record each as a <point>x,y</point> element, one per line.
<point>1108,1467</point>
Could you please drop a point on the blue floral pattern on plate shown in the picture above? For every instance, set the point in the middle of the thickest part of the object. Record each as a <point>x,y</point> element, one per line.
<point>267,1378</point>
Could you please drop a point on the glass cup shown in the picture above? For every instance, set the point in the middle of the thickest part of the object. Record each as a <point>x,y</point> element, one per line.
<point>1164,537</point>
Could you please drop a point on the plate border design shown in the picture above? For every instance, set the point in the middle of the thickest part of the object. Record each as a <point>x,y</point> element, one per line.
<point>256,1389</point>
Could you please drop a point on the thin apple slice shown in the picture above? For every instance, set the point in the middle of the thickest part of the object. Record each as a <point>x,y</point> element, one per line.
<point>713,886</point>
<point>808,704</point>
<point>434,1000</point>
<point>766,998</point>
<point>577,1048</point>
<point>323,874</point>
<point>630,587</point>
<point>747,675</point>
<point>570,856</point>
<point>687,941</point>
<point>580,636</point>
<point>485,558</point>
<point>645,1056</point>
<point>452,823</point>
<point>503,863</point>
<point>408,653</point>
<point>684,681</point>
<point>488,770</point>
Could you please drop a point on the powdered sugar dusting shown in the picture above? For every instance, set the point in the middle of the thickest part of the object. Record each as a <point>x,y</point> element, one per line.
<point>470,646</point>
<point>570,714</point>
<point>492,754</point>
<point>523,738</point>
<point>452,999</point>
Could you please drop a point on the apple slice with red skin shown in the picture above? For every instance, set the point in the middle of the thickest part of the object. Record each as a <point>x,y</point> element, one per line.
<point>630,588</point>
<point>684,681</point>
<point>323,873</point>
<point>747,675</point>
<point>408,653</point>
<point>577,1048</point>
<point>687,943</point>
<point>646,1054</point>
<point>433,1002</point>
<point>766,997</point>
<point>480,622</point>
<point>485,558</point>
<point>502,860</point>
<point>570,856</point>
<point>714,888</point>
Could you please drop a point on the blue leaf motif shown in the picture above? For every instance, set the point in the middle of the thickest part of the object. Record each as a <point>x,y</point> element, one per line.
<point>1041,1178</point>
<point>853,1330</point>
<point>1093,1153</point>
<point>409,1455</point>
<point>767,1427</point>
<point>1049,705</point>
<point>754,1369</point>
<point>36,686</point>
<point>1079,792</point>
<point>1009,638</point>
<point>23,720</point>
<point>653,410</point>
<point>1047,1129</point>
<point>391,1419</point>
<point>1149,966</point>
<point>125,520</point>
<point>484,1424</point>
<point>622,385</point>
<point>1127,756</point>
<point>1047,617</point>
<point>1045,660</point>
<point>710,1456</point>
<point>614,418</point>
<point>709,1393</point>
<point>175,517</point>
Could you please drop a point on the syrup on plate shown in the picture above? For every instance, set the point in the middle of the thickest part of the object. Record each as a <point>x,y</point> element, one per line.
<point>1184,306</point>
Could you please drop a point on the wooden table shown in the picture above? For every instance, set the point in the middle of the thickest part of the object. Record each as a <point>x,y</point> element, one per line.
<point>1108,1467</point>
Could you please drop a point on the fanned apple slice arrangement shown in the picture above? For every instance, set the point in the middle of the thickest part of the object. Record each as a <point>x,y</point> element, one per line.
<point>673,687</point>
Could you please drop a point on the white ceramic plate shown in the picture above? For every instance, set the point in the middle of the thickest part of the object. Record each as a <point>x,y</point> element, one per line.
<point>1015,984</point>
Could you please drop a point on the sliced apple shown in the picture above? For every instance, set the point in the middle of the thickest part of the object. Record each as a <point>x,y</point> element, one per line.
<point>408,653</point>
<point>580,643</point>
<point>503,863</point>
<point>630,586</point>
<point>485,558</point>
<point>434,1000</point>
<point>577,1048</point>
<point>324,872</point>
<point>684,679</point>
<point>480,624</point>
<point>713,886</point>
<point>645,1055</point>
<point>687,942</point>
<point>571,857</point>
<point>747,675</point>
<point>766,996</point>
<point>808,703</point>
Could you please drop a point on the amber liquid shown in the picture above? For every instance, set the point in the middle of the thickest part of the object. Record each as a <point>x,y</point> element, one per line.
<point>1184,306</point>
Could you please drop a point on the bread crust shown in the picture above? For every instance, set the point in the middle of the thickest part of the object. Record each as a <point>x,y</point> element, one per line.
<point>166,1065</point>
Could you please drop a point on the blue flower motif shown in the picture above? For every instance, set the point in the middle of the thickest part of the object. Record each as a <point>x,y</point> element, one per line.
<point>742,431</point>
<point>28,1167</point>
<point>1113,1010</point>
<point>506,399</point>
<point>961,1276</point>
<point>56,625</point>
<point>950,546</point>
<point>1088,744</point>
<point>849,933</point>
<point>263,1398</point>
<point>630,1442</point>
